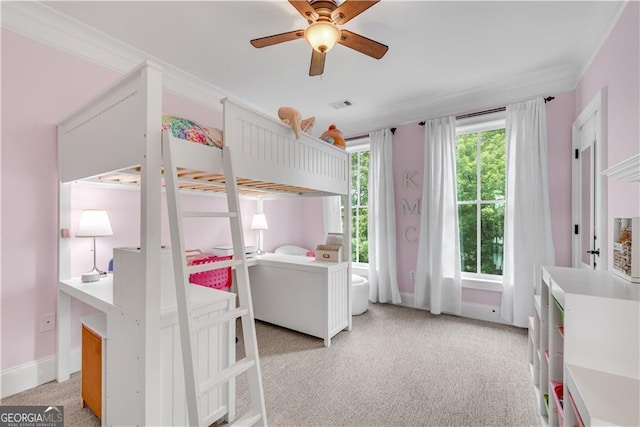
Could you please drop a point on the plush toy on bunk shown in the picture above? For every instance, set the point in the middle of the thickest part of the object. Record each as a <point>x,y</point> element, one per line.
<point>334,136</point>
<point>291,117</point>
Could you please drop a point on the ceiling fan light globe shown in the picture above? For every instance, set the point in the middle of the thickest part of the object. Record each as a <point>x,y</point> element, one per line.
<point>322,36</point>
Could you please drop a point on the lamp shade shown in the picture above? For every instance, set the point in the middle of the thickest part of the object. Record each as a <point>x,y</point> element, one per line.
<point>259,222</point>
<point>94,223</point>
<point>322,35</point>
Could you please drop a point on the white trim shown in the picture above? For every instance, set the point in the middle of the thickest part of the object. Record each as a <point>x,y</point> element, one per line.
<point>525,86</point>
<point>33,374</point>
<point>359,268</point>
<point>39,22</point>
<point>482,123</point>
<point>485,312</point>
<point>596,107</point>
<point>470,310</point>
<point>482,282</point>
<point>625,171</point>
<point>46,25</point>
<point>596,51</point>
<point>359,144</point>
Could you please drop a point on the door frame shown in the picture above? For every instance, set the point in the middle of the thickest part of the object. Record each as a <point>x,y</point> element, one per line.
<point>598,107</point>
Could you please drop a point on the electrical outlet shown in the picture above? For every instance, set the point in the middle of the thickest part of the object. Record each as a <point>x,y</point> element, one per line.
<point>47,322</point>
<point>412,275</point>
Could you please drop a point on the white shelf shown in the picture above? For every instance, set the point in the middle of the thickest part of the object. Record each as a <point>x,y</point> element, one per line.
<point>537,303</point>
<point>626,171</point>
<point>617,405</point>
<point>596,283</point>
<point>597,356</point>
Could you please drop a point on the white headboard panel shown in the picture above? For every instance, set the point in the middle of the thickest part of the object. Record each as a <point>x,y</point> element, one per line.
<point>88,142</point>
<point>269,152</point>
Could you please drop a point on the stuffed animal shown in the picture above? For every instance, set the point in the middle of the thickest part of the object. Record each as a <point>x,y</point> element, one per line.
<point>333,135</point>
<point>291,117</point>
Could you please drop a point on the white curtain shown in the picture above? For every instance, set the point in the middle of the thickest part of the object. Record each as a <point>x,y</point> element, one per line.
<point>438,285</point>
<point>528,241</point>
<point>383,278</point>
<point>331,214</point>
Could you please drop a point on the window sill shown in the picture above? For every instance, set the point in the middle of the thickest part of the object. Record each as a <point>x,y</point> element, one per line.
<point>482,283</point>
<point>360,269</point>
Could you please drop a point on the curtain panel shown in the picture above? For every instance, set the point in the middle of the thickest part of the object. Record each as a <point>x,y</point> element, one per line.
<point>383,277</point>
<point>528,240</point>
<point>438,284</point>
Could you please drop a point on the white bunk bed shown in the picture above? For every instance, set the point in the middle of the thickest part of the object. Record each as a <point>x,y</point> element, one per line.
<point>118,134</point>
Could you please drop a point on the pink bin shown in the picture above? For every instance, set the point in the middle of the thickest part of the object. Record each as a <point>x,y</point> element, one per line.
<point>217,278</point>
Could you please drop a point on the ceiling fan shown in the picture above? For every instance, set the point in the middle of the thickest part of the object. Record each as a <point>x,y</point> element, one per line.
<point>323,33</point>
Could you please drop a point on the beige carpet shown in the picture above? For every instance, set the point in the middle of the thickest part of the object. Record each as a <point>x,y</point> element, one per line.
<point>397,367</point>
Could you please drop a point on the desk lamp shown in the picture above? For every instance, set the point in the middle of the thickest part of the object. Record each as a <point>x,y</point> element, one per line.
<point>94,223</point>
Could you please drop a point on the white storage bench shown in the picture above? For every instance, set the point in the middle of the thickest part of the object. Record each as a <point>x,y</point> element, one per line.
<point>302,294</point>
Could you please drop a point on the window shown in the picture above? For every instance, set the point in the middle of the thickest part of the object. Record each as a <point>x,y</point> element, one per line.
<point>359,203</point>
<point>480,170</point>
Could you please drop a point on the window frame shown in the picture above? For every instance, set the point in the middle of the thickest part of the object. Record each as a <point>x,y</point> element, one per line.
<point>479,124</point>
<point>356,146</point>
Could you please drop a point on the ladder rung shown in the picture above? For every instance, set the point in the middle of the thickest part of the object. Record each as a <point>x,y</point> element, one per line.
<point>226,374</point>
<point>248,419</point>
<point>218,319</point>
<point>209,214</point>
<point>216,265</point>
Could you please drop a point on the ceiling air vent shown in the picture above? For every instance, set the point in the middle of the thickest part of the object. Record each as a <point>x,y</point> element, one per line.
<point>341,104</point>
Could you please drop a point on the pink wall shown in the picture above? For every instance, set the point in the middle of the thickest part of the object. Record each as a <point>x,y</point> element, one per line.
<point>408,152</point>
<point>408,156</point>
<point>616,68</point>
<point>559,120</point>
<point>294,221</point>
<point>40,87</point>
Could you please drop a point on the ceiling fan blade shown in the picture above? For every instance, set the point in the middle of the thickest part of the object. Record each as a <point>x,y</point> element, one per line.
<point>317,63</point>
<point>305,9</point>
<point>362,44</point>
<point>350,9</point>
<point>277,38</point>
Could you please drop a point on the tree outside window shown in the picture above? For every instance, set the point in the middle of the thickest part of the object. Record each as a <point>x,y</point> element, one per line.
<point>359,209</point>
<point>480,170</point>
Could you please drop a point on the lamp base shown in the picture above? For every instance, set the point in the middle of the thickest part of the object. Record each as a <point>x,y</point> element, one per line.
<point>93,275</point>
<point>90,277</point>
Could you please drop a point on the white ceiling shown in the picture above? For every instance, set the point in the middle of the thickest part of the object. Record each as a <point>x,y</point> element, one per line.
<point>444,57</point>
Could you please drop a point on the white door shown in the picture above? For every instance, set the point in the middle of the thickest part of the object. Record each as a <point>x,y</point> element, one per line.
<point>589,187</point>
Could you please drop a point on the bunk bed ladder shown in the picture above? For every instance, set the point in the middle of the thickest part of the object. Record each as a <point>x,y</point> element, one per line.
<point>196,388</point>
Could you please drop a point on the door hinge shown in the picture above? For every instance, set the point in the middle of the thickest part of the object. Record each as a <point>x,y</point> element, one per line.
<point>577,153</point>
<point>575,229</point>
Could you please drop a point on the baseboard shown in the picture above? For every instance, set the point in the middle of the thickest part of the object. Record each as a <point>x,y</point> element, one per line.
<point>489,313</point>
<point>33,374</point>
<point>469,309</point>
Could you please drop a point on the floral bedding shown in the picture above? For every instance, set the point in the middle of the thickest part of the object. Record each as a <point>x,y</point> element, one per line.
<point>192,131</point>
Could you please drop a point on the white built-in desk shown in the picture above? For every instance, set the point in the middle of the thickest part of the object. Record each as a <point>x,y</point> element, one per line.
<point>586,341</point>
<point>216,348</point>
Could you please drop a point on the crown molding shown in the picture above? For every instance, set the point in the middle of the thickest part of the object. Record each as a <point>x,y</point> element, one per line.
<point>626,171</point>
<point>46,25</point>
<point>605,35</point>
<point>542,83</point>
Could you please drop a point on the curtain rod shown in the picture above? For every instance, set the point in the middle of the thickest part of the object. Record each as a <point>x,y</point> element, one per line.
<point>366,135</point>
<point>492,110</point>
